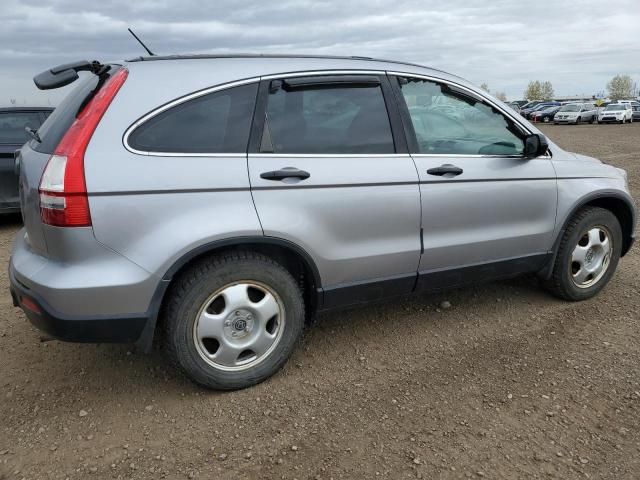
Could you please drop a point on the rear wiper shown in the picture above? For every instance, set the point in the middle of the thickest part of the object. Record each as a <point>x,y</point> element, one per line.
<point>62,75</point>
<point>33,133</point>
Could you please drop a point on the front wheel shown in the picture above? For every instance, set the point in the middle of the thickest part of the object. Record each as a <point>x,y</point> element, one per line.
<point>587,256</point>
<point>233,320</point>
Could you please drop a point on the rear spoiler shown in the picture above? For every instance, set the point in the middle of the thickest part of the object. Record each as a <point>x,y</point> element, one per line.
<point>62,75</point>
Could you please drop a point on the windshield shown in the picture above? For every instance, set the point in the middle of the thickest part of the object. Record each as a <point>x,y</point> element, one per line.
<point>570,108</point>
<point>12,126</point>
<point>615,107</point>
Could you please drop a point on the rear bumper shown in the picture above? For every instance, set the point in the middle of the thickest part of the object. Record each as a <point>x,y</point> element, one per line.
<point>94,295</point>
<point>96,329</point>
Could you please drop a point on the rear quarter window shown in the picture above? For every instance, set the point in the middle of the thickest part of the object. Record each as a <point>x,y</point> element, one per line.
<point>217,122</point>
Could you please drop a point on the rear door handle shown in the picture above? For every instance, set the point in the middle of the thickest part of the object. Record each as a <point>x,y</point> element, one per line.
<point>286,172</point>
<point>446,169</point>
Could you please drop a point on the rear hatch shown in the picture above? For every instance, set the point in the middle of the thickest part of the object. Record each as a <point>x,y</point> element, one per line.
<point>34,156</point>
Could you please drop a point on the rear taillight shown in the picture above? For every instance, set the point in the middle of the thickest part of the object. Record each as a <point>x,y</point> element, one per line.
<point>63,191</point>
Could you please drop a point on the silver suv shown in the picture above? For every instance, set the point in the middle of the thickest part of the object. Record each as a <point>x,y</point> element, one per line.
<point>216,203</point>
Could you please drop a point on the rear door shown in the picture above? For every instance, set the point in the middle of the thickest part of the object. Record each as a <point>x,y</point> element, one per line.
<point>486,210</point>
<point>330,172</point>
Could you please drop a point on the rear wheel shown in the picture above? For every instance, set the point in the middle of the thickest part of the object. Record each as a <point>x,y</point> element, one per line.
<point>587,256</point>
<point>233,320</point>
<point>578,121</point>
<point>545,119</point>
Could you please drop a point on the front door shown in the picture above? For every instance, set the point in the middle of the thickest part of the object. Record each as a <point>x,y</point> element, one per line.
<point>487,211</point>
<point>330,172</point>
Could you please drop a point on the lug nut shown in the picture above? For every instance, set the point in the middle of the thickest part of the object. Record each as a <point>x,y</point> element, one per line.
<point>227,324</point>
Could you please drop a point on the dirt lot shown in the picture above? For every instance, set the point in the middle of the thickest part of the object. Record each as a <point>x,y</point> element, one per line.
<point>507,383</point>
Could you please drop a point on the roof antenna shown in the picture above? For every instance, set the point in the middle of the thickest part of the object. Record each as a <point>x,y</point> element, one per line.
<point>140,42</point>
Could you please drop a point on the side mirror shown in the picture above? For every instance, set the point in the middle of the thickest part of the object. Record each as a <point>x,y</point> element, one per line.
<point>535,145</point>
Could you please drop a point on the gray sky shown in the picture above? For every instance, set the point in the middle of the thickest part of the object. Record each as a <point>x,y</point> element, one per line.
<point>577,45</point>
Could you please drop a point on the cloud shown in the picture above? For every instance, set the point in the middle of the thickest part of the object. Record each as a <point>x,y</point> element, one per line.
<point>578,45</point>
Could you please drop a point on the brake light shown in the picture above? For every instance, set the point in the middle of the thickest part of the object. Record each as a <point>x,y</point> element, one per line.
<point>63,191</point>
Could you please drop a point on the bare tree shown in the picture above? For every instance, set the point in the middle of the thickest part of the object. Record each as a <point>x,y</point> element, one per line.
<point>537,90</point>
<point>485,87</point>
<point>620,86</point>
<point>547,91</point>
<point>533,91</point>
<point>501,96</point>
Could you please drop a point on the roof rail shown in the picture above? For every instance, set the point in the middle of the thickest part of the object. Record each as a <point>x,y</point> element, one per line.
<point>199,56</point>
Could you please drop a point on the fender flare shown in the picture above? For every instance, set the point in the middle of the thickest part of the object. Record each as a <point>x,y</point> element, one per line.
<point>545,272</point>
<point>146,338</point>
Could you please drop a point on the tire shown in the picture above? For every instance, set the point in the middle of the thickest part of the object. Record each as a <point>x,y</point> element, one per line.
<point>565,277</point>
<point>197,297</point>
<point>591,120</point>
<point>545,119</point>
<point>578,121</point>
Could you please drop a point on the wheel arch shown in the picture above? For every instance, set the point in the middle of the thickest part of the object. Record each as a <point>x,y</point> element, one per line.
<point>617,203</point>
<point>293,257</point>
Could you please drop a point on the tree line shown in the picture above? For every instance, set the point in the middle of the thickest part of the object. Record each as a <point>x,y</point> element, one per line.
<point>619,87</point>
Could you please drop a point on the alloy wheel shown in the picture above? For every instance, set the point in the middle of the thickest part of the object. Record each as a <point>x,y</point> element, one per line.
<point>591,257</point>
<point>239,325</point>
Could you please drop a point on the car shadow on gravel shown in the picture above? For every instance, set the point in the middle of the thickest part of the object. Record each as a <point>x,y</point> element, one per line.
<point>123,369</point>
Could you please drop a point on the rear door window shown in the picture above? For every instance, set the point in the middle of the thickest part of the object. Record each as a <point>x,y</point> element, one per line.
<point>12,126</point>
<point>218,122</point>
<point>327,119</point>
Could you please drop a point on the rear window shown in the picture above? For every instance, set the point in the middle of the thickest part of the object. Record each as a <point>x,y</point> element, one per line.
<point>12,126</point>
<point>215,123</point>
<point>54,128</point>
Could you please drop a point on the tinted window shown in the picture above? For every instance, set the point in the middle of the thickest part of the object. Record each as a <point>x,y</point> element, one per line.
<point>215,123</point>
<point>446,121</point>
<point>57,124</point>
<point>332,120</point>
<point>12,126</point>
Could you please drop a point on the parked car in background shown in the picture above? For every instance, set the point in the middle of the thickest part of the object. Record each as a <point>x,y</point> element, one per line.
<point>14,122</point>
<point>518,104</point>
<point>616,113</point>
<point>636,113</point>
<point>526,113</point>
<point>576,113</point>
<point>545,115</point>
<point>630,102</point>
<point>225,209</point>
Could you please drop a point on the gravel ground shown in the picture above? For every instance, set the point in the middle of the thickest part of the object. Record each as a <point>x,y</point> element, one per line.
<point>507,382</point>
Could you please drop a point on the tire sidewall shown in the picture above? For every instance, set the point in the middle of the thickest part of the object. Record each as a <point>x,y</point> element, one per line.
<point>212,280</point>
<point>599,217</point>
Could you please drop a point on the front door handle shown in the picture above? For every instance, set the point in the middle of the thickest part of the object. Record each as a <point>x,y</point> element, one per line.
<point>446,169</point>
<point>286,172</point>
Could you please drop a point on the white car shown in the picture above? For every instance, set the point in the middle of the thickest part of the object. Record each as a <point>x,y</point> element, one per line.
<point>576,113</point>
<point>616,112</point>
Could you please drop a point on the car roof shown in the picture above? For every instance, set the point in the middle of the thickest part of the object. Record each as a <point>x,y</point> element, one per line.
<point>301,62</point>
